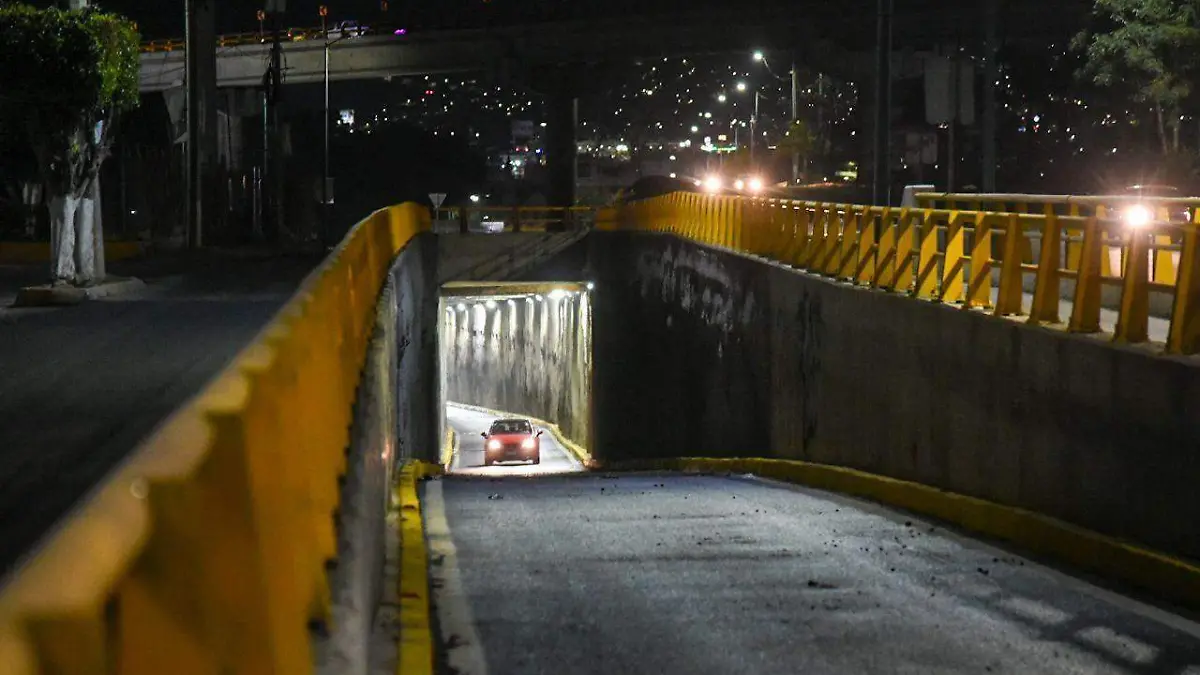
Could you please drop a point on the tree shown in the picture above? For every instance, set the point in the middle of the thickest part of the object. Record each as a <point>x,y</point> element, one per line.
<point>78,72</point>
<point>1150,45</point>
<point>800,141</point>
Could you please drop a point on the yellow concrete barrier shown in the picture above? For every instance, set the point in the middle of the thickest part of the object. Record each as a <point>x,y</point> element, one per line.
<point>922,251</point>
<point>1170,578</point>
<point>205,552</point>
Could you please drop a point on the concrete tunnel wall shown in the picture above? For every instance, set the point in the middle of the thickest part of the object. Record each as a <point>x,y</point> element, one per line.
<point>396,418</point>
<point>703,352</point>
<point>523,356</point>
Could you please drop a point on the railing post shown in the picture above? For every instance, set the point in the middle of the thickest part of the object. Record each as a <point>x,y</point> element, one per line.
<point>1012,275</point>
<point>1045,290</point>
<point>1133,321</point>
<point>1184,336</point>
<point>927,257</point>
<point>979,287</point>
<point>1085,313</point>
<point>952,261</point>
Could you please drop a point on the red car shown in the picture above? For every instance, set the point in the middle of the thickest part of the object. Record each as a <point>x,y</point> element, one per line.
<point>511,440</point>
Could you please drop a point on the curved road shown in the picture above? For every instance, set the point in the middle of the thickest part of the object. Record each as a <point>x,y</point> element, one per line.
<point>468,460</point>
<point>665,574</point>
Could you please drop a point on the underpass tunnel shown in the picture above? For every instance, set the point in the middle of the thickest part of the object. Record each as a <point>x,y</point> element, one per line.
<point>521,350</point>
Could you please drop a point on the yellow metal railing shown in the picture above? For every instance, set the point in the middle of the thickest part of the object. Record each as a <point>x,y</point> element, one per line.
<point>949,255</point>
<point>205,552</point>
<point>520,218</point>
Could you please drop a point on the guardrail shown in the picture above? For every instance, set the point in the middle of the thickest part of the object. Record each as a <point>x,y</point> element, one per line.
<point>206,550</point>
<point>496,219</point>
<point>948,255</point>
<point>262,37</point>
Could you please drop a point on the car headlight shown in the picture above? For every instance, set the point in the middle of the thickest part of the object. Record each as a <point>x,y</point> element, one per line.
<point>1137,215</point>
<point>756,185</point>
<point>528,444</point>
<point>493,445</point>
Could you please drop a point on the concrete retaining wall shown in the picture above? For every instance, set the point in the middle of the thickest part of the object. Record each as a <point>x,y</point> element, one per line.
<point>395,419</point>
<point>523,356</point>
<point>702,352</point>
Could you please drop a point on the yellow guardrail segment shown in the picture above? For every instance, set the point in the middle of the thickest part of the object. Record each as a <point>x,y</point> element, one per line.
<point>205,552</point>
<point>943,253</point>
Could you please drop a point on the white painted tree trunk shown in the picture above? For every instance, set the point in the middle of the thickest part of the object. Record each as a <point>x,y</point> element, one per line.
<point>101,269</point>
<point>62,237</point>
<point>85,242</point>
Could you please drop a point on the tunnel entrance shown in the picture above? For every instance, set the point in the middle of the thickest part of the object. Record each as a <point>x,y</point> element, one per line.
<point>516,351</point>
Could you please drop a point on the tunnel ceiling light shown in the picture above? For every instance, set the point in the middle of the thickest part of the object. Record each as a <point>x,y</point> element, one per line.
<point>590,285</point>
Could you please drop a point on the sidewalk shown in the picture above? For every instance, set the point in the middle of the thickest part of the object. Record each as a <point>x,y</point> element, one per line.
<point>80,386</point>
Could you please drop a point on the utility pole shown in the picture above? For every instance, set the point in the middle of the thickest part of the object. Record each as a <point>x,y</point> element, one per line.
<point>325,152</point>
<point>273,81</point>
<point>881,165</point>
<point>991,73</point>
<point>192,170</point>
<point>795,119</point>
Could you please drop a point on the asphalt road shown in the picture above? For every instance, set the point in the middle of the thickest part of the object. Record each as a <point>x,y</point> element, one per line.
<point>468,460</point>
<point>665,574</point>
<point>80,386</point>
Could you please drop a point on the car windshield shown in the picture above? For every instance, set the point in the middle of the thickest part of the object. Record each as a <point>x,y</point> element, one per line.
<point>511,427</point>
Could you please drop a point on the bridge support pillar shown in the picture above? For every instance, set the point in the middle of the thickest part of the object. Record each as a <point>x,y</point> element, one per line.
<point>561,144</point>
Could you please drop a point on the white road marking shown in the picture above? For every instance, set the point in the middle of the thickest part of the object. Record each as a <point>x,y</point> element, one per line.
<point>456,623</point>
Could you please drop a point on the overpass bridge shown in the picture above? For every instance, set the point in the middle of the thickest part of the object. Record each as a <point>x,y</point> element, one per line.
<point>852,349</point>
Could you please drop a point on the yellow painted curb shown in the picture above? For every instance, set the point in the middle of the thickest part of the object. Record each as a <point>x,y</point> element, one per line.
<point>449,447</point>
<point>415,646</point>
<point>1170,578</point>
<point>581,453</point>
<point>35,252</point>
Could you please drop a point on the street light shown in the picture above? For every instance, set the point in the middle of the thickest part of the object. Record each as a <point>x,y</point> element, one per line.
<point>324,11</point>
<point>795,77</point>
<point>741,86</point>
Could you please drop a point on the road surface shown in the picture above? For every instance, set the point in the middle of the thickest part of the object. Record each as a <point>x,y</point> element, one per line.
<point>665,574</point>
<point>80,386</point>
<point>468,424</point>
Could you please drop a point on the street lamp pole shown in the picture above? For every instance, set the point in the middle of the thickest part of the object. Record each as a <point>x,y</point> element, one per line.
<point>325,152</point>
<point>754,131</point>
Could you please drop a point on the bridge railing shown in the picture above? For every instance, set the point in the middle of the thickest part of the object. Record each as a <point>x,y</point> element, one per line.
<point>206,551</point>
<point>978,259</point>
<point>497,219</point>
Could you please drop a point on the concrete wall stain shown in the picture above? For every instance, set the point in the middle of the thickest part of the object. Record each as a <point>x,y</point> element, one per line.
<point>695,358</point>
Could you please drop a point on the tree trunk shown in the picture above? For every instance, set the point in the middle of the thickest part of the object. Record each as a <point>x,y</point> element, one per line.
<point>62,237</point>
<point>85,244</point>
<point>1175,134</point>
<point>1162,129</point>
<point>99,265</point>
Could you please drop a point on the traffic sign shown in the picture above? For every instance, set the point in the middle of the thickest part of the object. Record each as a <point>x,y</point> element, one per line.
<point>437,198</point>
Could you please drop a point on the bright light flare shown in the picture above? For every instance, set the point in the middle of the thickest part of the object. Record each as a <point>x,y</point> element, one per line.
<point>528,443</point>
<point>739,184</point>
<point>1138,216</point>
<point>712,183</point>
<point>741,86</point>
<point>493,444</point>
<point>756,184</point>
<point>758,56</point>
